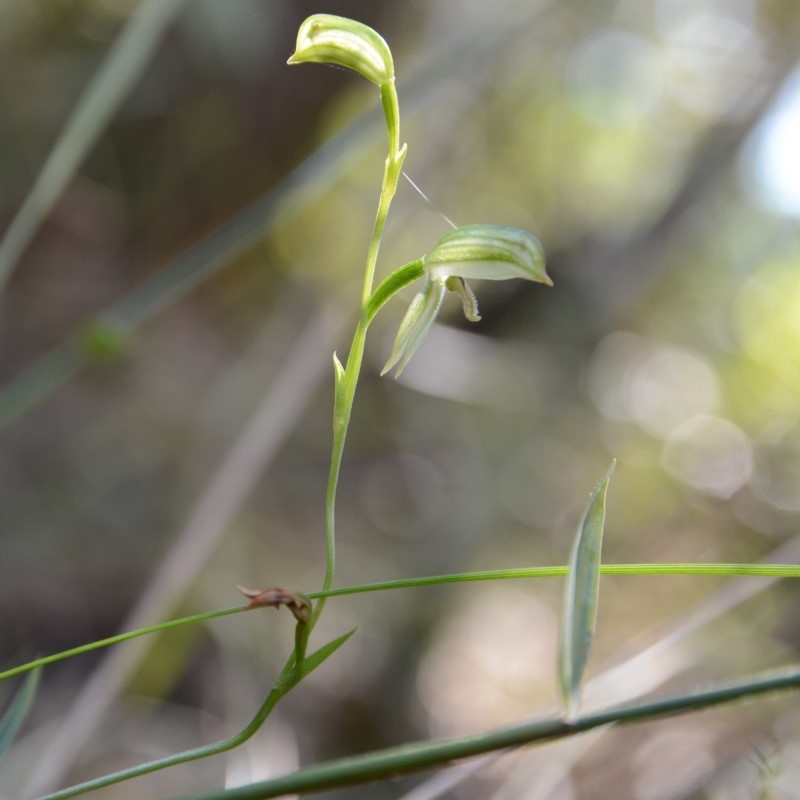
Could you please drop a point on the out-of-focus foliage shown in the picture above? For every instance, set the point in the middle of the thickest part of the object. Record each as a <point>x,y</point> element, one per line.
<point>638,140</point>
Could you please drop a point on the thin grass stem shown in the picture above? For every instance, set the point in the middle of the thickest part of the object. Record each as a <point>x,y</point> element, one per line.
<point>128,56</point>
<point>395,761</point>
<point>707,570</point>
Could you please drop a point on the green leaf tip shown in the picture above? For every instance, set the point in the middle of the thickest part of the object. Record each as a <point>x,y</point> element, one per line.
<point>329,39</point>
<point>338,369</point>
<point>581,596</point>
<point>310,663</point>
<point>487,252</point>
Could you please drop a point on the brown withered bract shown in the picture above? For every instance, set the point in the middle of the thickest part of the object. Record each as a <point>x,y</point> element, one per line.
<point>277,596</point>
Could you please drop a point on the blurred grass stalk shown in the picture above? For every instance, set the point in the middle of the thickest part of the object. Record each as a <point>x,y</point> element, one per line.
<point>178,278</point>
<point>127,58</point>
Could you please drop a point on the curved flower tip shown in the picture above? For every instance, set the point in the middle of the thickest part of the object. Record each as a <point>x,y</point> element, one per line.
<point>328,39</point>
<point>490,252</point>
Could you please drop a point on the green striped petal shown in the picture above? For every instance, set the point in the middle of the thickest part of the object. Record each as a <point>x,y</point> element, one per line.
<point>418,319</point>
<point>488,252</point>
<point>328,39</point>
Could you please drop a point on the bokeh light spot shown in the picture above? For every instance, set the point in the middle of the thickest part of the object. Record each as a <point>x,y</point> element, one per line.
<point>614,77</point>
<point>709,454</point>
<point>772,160</point>
<point>658,386</point>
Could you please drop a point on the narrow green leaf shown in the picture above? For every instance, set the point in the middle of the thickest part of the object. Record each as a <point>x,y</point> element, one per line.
<point>581,596</point>
<point>316,658</point>
<point>18,710</point>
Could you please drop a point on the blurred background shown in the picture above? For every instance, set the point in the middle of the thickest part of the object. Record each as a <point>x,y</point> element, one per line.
<point>192,256</point>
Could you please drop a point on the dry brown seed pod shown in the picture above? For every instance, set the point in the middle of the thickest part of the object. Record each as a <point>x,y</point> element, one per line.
<point>277,596</point>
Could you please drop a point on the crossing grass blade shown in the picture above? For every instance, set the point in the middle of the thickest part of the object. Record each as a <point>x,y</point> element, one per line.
<point>17,711</point>
<point>581,597</point>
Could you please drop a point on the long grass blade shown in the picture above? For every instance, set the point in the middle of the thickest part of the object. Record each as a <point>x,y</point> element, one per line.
<point>15,714</point>
<point>581,597</point>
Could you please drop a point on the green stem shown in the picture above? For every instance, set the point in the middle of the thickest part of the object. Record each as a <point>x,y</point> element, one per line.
<point>347,381</point>
<point>295,668</point>
<point>394,761</point>
<point>292,674</point>
<point>289,677</point>
<point>286,681</point>
<point>121,637</point>
<point>391,110</point>
<point>719,570</point>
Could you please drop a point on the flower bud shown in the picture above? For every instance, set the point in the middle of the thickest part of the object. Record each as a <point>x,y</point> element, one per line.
<point>489,252</point>
<point>328,39</point>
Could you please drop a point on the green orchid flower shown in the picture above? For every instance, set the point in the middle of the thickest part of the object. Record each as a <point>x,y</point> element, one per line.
<point>487,252</point>
<point>328,39</point>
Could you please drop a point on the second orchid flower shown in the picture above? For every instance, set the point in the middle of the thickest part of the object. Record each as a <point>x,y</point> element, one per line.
<point>488,252</point>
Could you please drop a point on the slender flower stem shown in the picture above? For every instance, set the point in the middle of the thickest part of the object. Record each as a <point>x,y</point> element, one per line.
<point>391,110</point>
<point>347,382</point>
